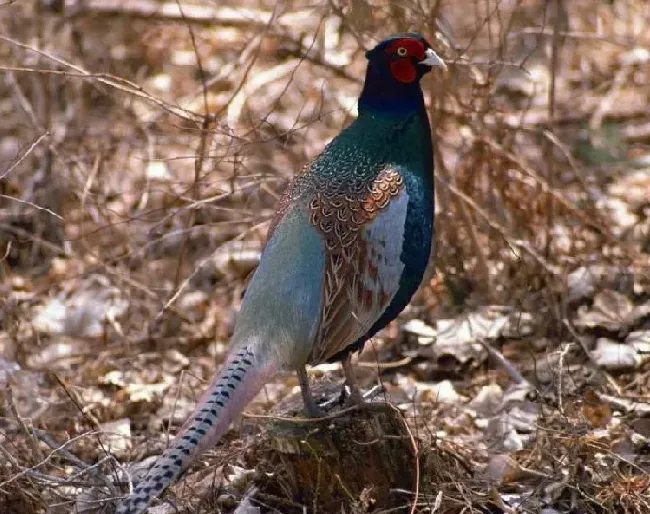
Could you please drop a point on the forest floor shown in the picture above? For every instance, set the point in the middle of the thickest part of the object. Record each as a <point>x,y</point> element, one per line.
<point>143,148</point>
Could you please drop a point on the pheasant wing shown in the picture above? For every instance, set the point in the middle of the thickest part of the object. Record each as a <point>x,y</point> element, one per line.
<point>364,233</point>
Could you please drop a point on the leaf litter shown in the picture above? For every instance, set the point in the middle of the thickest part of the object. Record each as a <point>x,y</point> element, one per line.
<point>522,365</point>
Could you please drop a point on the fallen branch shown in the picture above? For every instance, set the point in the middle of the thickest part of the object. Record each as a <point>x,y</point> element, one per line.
<point>197,14</point>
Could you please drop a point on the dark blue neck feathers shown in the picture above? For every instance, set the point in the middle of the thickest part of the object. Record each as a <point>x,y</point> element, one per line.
<point>382,93</point>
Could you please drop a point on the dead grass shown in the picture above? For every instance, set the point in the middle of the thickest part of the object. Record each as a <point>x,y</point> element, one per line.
<point>142,153</point>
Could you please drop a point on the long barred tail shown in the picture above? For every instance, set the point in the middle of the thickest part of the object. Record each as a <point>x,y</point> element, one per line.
<point>240,379</point>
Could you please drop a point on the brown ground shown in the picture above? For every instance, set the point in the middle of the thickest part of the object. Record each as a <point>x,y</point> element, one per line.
<point>130,220</point>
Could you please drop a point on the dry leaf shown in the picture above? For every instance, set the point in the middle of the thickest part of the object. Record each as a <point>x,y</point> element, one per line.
<point>116,436</point>
<point>612,311</point>
<point>613,356</point>
<point>598,412</point>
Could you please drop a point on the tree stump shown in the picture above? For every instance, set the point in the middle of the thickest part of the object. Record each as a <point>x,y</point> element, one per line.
<point>354,458</point>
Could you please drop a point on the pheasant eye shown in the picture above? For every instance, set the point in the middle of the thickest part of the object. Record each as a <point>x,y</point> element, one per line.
<point>402,51</point>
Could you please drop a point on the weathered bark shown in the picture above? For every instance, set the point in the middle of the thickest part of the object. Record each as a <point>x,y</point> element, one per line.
<point>357,458</point>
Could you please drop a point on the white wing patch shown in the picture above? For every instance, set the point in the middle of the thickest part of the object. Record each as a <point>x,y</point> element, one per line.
<point>380,267</point>
<point>364,236</point>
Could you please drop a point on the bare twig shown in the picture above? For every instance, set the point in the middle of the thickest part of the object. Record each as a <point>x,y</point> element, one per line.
<point>25,154</point>
<point>550,162</point>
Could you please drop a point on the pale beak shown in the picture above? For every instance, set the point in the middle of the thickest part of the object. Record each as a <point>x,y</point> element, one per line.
<point>432,59</point>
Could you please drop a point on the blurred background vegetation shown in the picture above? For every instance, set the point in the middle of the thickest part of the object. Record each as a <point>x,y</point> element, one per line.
<point>144,145</point>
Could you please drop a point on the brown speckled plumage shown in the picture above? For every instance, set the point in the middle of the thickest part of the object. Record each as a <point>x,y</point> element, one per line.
<point>353,286</point>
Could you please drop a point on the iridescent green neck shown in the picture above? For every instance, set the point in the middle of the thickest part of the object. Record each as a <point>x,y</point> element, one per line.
<point>383,94</point>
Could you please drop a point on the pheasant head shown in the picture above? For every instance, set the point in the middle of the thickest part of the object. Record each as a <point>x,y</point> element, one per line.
<point>395,67</point>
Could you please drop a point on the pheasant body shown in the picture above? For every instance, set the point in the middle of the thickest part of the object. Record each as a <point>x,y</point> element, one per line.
<point>370,195</point>
<point>346,251</point>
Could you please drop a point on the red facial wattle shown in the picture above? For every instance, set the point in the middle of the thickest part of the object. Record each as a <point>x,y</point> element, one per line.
<point>402,67</point>
<point>404,70</point>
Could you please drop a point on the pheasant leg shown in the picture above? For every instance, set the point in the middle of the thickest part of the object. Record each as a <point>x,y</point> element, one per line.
<point>351,381</point>
<point>311,406</point>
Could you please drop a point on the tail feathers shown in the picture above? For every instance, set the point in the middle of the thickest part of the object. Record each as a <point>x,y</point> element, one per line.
<point>240,379</point>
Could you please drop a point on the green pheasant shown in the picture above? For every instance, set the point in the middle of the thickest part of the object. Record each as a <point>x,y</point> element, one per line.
<point>346,252</point>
